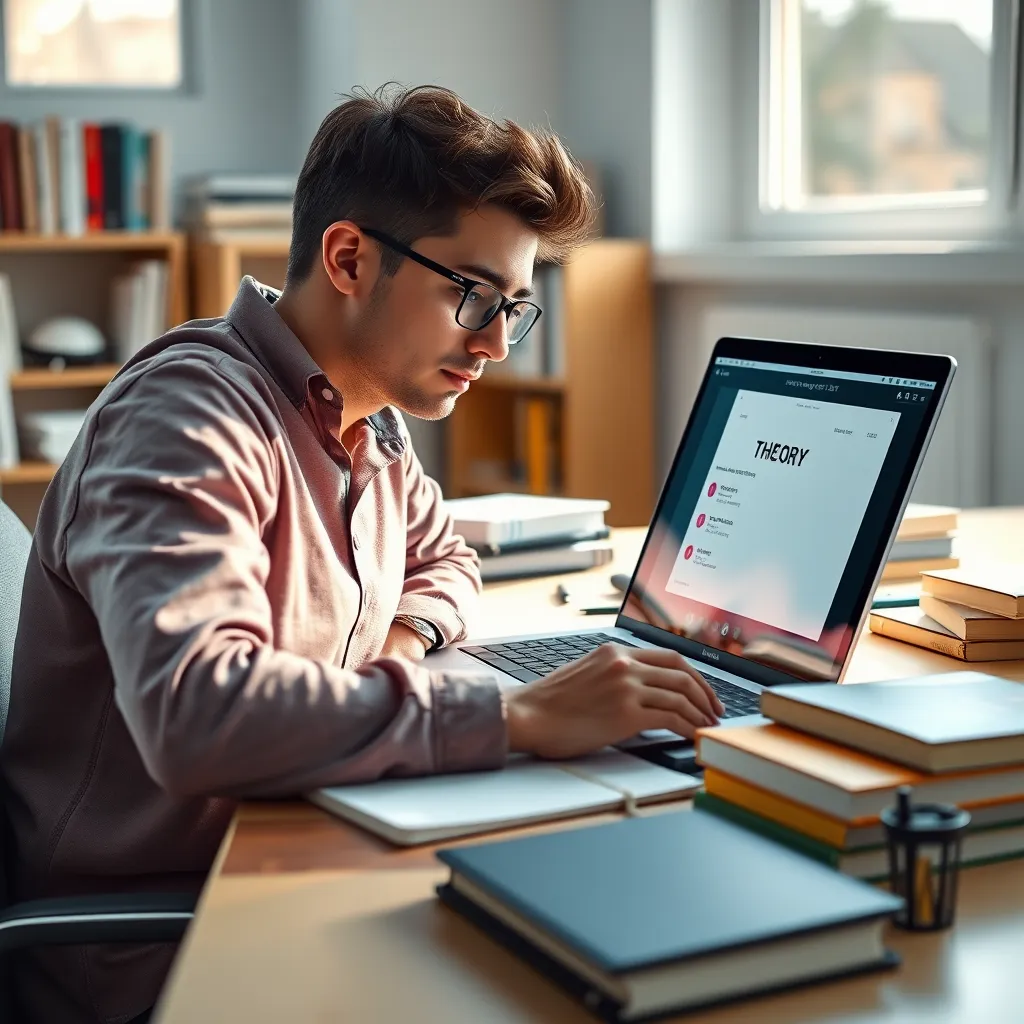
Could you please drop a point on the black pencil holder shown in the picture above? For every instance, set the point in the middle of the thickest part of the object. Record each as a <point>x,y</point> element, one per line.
<point>925,842</point>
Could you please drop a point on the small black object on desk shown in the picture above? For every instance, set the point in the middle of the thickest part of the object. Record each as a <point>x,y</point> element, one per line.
<point>924,860</point>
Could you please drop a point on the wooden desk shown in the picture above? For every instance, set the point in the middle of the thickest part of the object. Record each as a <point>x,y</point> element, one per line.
<point>307,919</point>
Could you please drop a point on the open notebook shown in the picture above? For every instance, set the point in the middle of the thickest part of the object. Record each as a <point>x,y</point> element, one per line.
<point>432,808</point>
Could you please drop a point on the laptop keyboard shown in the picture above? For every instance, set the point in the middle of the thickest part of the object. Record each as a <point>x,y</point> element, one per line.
<point>527,660</point>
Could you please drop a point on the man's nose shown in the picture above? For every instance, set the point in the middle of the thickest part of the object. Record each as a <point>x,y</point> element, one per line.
<point>490,342</point>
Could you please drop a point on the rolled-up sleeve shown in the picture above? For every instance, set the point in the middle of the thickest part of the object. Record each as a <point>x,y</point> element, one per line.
<point>442,573</point>
<point>166,542</point>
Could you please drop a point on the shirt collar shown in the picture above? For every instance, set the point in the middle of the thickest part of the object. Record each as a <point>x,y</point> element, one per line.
<point>285,358</point>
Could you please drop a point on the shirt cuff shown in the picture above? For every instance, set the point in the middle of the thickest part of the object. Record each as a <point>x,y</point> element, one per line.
<point>441,614</point>
<point>470,722</point>
<point>430,633</point>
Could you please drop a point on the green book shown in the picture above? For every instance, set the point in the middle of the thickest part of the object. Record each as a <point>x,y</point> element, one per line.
<point>987,845</point>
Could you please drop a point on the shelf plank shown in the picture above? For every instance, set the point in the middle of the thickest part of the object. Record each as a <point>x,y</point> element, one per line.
<point>92,241</point>
<point>40,378</point>
<point>507,382</point>
<point>28,473</point>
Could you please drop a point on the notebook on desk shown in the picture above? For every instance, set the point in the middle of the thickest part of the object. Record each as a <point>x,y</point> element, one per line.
<point>423,810</point>
<point>672,912</point>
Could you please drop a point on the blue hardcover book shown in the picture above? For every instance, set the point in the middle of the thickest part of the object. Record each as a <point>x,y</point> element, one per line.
<point>651,916</point>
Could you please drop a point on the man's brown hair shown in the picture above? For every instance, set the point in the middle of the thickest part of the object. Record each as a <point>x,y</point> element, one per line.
<point>408,162</point>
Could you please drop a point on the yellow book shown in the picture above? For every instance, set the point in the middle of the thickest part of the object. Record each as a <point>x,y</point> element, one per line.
<point>832,831</point>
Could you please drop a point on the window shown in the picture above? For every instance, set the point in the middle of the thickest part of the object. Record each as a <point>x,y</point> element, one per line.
<point>877,104</point>
<point>106,43</point>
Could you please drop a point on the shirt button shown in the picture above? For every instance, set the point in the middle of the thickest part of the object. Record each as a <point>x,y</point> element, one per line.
<point>328,395</point>
<point>355,541</point>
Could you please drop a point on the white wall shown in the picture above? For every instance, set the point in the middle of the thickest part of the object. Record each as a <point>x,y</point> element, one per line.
<point>606,75</point>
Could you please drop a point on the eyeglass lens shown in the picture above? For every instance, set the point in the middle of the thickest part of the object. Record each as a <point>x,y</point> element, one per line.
<point>482,303</point>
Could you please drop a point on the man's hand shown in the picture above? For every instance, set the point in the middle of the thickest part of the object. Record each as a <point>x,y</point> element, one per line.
<point>403,641</point>
<point>605,697</point>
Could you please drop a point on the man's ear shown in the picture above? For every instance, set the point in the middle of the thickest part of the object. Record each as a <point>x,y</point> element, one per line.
<point>352,260</point>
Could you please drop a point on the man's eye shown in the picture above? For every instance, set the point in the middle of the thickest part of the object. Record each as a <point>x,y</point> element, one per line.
<point>473,297</point>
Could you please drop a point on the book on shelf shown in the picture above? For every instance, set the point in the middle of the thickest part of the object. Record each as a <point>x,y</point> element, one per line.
<point>841,835</point>
<point>686,925</point>
<point>527,791</point>
<point>998,589</point>
<point>138,307</point>
<point>494,522</point>
<point>940,723</point>
<point>913,626</point>
<point>1004,841</point>
<point>236,207</point>
<point>71,176</point>
<point>837,780</point>
<point>971,623</point>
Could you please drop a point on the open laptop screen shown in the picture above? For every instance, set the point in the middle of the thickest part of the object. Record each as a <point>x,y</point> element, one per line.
<point>781,505</point>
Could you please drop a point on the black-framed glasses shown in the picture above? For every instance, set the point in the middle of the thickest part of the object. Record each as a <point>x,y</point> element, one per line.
<point>481,302</point>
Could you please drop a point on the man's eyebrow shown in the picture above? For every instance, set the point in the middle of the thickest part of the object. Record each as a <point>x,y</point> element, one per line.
<point>500,281</point>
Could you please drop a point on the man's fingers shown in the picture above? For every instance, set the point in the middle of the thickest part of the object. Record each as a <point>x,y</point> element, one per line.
<point>663,658</point>
<point>677,703</point>
<point>656,718</point>
<point>679,682</point>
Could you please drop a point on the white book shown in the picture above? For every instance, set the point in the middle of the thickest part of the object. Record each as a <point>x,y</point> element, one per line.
<point>71,176</point>
<point>438,807</point>
<point>498,520</point>
<point>121,315</point>
<point>44,180</point>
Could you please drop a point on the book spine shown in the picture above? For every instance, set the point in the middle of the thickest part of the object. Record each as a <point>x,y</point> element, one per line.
<point>27,177</point>
<point>72,177</point>
<point>787,813</point>
<point>948,645</point>
<point>113,177</point>
<point>52,136</point>
<point>10,189</point>
<point>93,177</point>
<point>44,180</point>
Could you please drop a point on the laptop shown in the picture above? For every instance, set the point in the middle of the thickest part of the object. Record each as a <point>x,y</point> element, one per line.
<point>772,528</point>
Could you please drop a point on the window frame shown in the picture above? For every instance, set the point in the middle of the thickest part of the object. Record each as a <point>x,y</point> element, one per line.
<point>187,83</point>
<point>924,217</point>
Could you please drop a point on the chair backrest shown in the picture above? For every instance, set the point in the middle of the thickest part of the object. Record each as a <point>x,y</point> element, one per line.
<point>15,542</point>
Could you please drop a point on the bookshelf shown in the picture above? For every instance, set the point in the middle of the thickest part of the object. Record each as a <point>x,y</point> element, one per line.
<point>54,275</point>
<point>587,430</point>
<point>218,266</point>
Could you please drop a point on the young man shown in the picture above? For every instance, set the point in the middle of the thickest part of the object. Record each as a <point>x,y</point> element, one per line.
<point>240,563</point>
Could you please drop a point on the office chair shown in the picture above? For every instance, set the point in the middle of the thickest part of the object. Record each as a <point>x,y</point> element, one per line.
<point>119,917</point>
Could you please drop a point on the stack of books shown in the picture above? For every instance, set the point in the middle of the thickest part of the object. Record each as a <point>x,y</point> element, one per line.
<point>974,614</point>
<point>239,207</point>
<point>924,541</point>
<point>72,176</point>
<point>818,774</point>
<point>519,535</point>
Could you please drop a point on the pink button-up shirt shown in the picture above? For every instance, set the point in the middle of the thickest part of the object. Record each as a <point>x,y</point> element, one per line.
<point>211,582</point>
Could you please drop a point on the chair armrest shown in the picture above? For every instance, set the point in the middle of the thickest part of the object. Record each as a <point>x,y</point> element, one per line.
<point>75,920</point>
